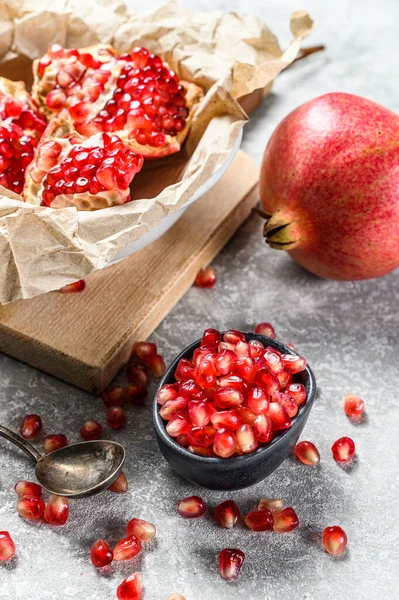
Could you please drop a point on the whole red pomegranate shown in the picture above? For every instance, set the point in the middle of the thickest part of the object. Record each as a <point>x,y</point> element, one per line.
<point>330,187</point>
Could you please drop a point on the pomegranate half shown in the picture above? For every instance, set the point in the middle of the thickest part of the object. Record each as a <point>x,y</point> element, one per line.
<point>330,187</point>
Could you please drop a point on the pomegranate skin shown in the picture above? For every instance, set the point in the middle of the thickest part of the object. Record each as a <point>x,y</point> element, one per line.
<point>330,183</point>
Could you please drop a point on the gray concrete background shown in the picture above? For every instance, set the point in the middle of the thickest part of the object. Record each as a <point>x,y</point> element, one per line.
<point>348,331</point>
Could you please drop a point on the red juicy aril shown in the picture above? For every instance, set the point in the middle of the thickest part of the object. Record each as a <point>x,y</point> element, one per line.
<point>30,507</point>
<point>57,510</point>
<point>127,548</point>
<point>28,488</point>
<point>227,514</point>
<point>191,507</point>
<point>228,399</point>
<point>69,170</point>
<point>130,588</point>
<point>30,427</point>
<point>101,554</point>
<point>17,108</point>
<point>334,540</point>
<point>135,95</point>
<point>230,563</point>
<point>7,546</point>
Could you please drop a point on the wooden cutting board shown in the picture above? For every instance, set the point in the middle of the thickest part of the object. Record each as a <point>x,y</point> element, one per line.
<point>86,338</point>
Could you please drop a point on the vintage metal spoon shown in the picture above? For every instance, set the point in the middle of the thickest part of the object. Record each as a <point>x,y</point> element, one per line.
<point>75,471</point>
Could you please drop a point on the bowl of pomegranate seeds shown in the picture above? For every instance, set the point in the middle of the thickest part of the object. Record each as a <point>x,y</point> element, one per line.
<point>231,408</point>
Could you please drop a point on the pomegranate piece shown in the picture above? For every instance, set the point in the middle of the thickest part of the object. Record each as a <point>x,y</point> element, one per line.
<point>226,397</point>
<point>286,520</point>
<point>136,373</point>
<point>145,350</point>
<point>57,510</point>
<point>72,288</point>
<point>136,393</point>
<point>142,530</point>
<point>91,430</point>
<point>18,110</point>
<point>178,425</point>
<point>113,396</point>
<point>54,442</point>
<point>130,588</point>
<point>200,412</point>
<point>246,439</point>
<point>28,488</point>
<point>287,402</point>
<point>201,436</point>
<point>169,391</point>
<point>266,329</point>
<point>205,373</point>
<point>230,563</point>
<point>173,407</point>
<point>120,485</point>
<point>88,173</point>
<point>267,381</point>
<point>226,419</point>
<point>353,406</point>
<point>294,363</point>
<point>116,417</point>
<point>157,365</point>
<point>30,427</point>
<point>224,444</point>
<point>224,361</point>
<point>30,507</point>
<point>278,416</point>
<point>206,278</point>
<point>334,540</point>
<point>263,429</point>
<point>275,505</point>
<point>7,546</point>
<point>127,548</point>
<point>297,391</point>
<point>258,401</point>
<point>260,520</point>
<point>307,453</point>
<point>343,449</point>
<point>227,514</point>
<point>191,507</point>
<point>211,337</point>
<point>101,553</point>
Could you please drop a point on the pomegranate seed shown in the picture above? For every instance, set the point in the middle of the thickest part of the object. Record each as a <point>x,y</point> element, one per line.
<point>157,365</point>
<point>263,429</point>
<point>178,425</point>
<point>101,554</point>
<point>120,485</point>
<point>284,379</point>
<point>31,425</point>
<point>57,510</point>
<point>230,563</point>
<point>182,440</point>
<point>207,452</point>
<point>256,349</point>
<point>191,390</point>
<point>227,514</point>
<point>205,373</point>
<point>113,396</point>
<point>286,520</point>
<point>169,391</point>
<point>54,442</point>
<point>211,337</point>
<point>228,398</point>
<point>135,393</point>
<point>206,278</point>
<point>297,391</point>
<point>145,350</point>
<point>72,288</point>
<point>287,402</point>
<point>224,444</point>
<point>200,412</point>
<point>201,436</point>
<point>353,406</point>
<point>334,540</point>
<point>259,520</point>
<point>130,588</point>
<point>191,507</point>
<point>176,597</point>
<point>184,370</point>
<point>28,488</point>
<point>267,381</point>
<point>307,453</point>
<point>246,439</point>
<point>136,373</point>
<point>266,329</point>
<point>343,449</point>
<point>294,363</point>
<point>224,361</point>
<point>257,401</point>
<point>91,430</point>
<point>275,505</point>
<point>143,530</point>
<point>172,407</point>
<point>232,336</point>
<point>227,419</point>
<point>246,415</point>
<point>278,416</point>
<point>116,417</point>
<point>30,507</point>
<point>7,546</point>
<point>244,368</point>
<point>127,548</point>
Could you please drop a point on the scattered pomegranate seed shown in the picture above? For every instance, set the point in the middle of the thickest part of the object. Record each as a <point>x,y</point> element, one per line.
<point>135,393</point>
<point>157,365</point>
<point>307,453</point>
<point>120,485</point>
<point>136,373</point>
<point>266,329</point>
<point>116,417</point>
<point>127,548</point>
<point>275,505</point>
<point>30,427</point>
<point>72,288</point>
<point>30,507</point>
<point>91,430</point>
<point>353,406</point>
<point>224,444</point>
<point>143,530</point>
<point>54,442</point>
<point>145,350</point>
<point>176,597</point>
<point>206,278</point>
<point>130,588</point>
<point>28,488</point>
<point>286,520</point>
<point>227,514</point>
<point>113,396</point>
<point>297,391</point>
<point>230,563</point>
<point>343,449</point>
<point>191,507</point>
<point>57,510</point>
<point>7,546</point>
<point>259,520</point>
<point>334,540</point>
<point>101,554</point>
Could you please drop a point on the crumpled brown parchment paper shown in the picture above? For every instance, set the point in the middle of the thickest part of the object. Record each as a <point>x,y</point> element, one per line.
<point>230,55</point>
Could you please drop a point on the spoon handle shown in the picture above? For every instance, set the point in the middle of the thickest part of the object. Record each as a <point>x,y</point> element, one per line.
<point>19,441</point>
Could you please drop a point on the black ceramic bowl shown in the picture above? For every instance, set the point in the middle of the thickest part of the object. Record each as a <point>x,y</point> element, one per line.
<point>236,472</point>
